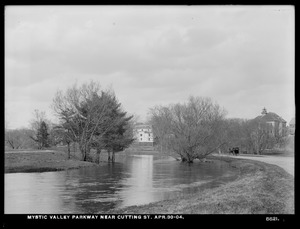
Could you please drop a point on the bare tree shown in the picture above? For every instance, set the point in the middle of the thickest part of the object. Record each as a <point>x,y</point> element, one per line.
<point>236,134</point>
<point>62,134</point>
<point>260,137</point>
<point>19,139</point>
<point>13,139</point>
<point>159,120</point>
<point>193,127</point>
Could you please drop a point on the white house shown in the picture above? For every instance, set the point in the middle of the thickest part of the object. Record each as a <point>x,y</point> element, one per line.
<point>143,133</point>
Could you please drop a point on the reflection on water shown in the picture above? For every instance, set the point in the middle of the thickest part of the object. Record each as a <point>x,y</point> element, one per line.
<point>138,180</point>
<point>137,189</point>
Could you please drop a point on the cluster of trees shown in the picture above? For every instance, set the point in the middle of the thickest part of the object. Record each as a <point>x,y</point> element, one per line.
<point>93,119</point>
<point>252,136</point>
<point>38,136</point>
<point>88,117</point>
<point>198,128</point>
<point>19,139</point>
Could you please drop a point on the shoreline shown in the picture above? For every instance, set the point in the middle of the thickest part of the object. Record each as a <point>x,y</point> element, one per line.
<point>28,161</point>
<point>41,161</point>
<point>260,188</point>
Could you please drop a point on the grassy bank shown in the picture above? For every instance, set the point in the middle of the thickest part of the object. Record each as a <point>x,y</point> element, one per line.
<point>41,161</point>
<point>260,189</point>
<point>54,160</point>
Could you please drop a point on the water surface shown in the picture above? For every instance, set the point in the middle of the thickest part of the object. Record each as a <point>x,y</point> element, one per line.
<point>139,179</point>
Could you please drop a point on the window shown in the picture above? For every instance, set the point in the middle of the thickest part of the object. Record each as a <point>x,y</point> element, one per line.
<point>149,139</point>
<point>141,135</point>
<point>141,139</point>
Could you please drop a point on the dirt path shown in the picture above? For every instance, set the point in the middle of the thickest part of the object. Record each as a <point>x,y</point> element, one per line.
<point>287,163</point>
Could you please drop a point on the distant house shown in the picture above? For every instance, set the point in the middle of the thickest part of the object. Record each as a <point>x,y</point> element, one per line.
<point>271,123</point>
<point>292,126</point>
<point>143,134</point>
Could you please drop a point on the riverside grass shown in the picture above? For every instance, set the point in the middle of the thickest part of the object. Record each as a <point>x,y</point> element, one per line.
<point>259,189</point>
<point>43,161</point>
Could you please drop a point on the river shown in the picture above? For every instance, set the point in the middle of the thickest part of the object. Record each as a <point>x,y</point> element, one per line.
<point>139,179</point>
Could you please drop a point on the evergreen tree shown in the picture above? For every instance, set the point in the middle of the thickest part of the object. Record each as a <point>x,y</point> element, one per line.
<point>42,136</point>
<point>119,135</point>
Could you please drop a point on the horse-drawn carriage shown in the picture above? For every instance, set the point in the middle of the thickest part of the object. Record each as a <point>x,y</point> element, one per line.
<point>234,151</point>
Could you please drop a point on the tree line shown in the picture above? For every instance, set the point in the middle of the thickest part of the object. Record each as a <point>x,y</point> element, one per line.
<point>38,136</point>
<point>198,127</point>
<point>88,116</point>
<point>93,118</point>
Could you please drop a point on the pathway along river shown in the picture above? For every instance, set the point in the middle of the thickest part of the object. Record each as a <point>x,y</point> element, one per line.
<point>139,179</point>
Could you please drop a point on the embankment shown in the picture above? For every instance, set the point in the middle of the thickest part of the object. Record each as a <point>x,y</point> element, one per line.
<point>259,189</point>
<point>40,161</point>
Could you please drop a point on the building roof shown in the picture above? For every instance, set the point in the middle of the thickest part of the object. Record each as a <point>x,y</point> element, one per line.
<point>293,121</point>
<point>141,126</point>
<point>269,117</point>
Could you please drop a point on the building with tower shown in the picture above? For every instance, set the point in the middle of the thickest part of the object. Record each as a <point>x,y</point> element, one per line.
<point>271,123</point>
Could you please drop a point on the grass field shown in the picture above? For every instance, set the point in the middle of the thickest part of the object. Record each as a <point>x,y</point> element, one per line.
<point>40,161</point>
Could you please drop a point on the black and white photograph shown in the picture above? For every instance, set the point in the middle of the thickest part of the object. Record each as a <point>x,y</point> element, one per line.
<point>149,112</point>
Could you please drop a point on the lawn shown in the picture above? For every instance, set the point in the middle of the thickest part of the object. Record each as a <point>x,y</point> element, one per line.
<point>40,161</point>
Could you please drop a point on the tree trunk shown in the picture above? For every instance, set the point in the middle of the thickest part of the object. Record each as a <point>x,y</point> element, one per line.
<point>98,155</point>
<point>113,156</point>
<point>190,160</point>
<point>74,146</point>
<point>69,151</point>
<point>87,152</point>
<point>189,155</point>
<point>12,145</point>
<point>109,158</point>
<point>83,152</point>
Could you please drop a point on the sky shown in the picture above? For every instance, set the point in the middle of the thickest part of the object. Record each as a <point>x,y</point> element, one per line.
<point>243,57</point>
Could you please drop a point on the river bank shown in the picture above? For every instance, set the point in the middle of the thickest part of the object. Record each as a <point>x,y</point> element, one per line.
<point>26,161</point>
<point>41,161</point>
<point>259,189</point>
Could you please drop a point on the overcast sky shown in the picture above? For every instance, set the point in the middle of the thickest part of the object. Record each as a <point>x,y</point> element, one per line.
<point>240,56</point>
